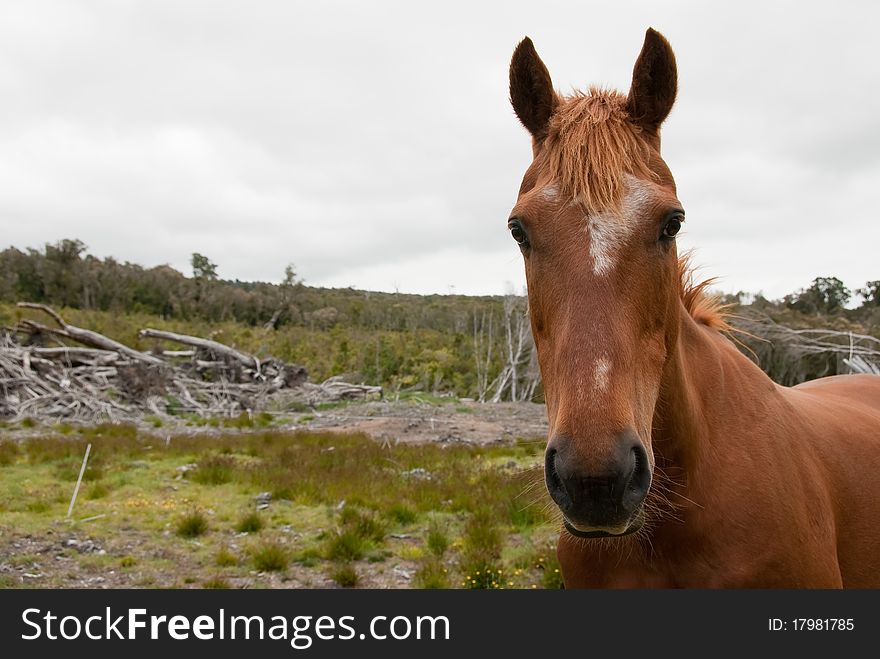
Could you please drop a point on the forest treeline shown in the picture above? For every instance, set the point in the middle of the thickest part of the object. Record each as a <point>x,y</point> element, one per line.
<point>477,347</point>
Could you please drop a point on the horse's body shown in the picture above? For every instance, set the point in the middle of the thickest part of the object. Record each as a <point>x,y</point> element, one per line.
<point>675,461</point>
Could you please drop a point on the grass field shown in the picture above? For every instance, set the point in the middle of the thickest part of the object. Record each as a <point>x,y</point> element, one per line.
<point>343,510</point>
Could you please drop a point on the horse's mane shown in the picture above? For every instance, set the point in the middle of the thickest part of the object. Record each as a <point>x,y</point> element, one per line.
<point>591,145</point>
<point>704,306</point>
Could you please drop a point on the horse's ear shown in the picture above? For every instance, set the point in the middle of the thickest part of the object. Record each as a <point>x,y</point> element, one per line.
<point>654,83</point>
<point>531,90</point>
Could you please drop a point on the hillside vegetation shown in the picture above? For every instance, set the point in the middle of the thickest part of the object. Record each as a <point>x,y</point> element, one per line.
<point>478,347</point>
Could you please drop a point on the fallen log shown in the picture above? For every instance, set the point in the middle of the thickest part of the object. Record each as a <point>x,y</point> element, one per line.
<point>84,336</point>
<point>206,344</point>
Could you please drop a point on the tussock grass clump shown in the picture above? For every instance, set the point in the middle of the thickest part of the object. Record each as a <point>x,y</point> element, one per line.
<point>216,583</point>
<point>249,523</point>
<point>481,552</point>
<point>269,556</point>
<point>216,470</point>
<point>345,575</point>
<point>358,533</point>
<point>431,575</point>
<point>97,491</point>
<point>345,546</point>
<point>364,524</point>
<point>437,538</point>
<point>308,557</point>
<point>192,525</point>
<point>225,558</point>
<point>402,514</point>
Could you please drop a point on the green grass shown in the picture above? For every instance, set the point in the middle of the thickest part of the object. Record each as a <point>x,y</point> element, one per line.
<point>345,575</point>
<point>216,583</point>
<point>482,545</point>
<point>215,470</point>
<point>468,517</point>
<point>192,525</point>
<point>432,575</point>
<point>437,538</point>
<point>402,514</point>
<point>270,557</point>
<point>9,453</point>
<point>225,558</point>
<point>249,523</point>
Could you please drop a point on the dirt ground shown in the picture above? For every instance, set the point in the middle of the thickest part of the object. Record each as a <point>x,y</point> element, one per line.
<point>417,422</point>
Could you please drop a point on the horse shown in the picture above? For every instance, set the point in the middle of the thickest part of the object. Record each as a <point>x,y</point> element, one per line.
<point>673,459</point>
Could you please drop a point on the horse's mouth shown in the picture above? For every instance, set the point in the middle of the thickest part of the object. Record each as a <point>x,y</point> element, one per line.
<point>634,525</point>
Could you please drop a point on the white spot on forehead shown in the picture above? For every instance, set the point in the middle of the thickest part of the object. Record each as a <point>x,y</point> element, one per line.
<point>610,231</point>
<point>549,192</point>
<point>601,372</point>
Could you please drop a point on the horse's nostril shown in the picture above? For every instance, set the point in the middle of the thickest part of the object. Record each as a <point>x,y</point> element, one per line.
<point>639,479</point>
<point>555,485</point>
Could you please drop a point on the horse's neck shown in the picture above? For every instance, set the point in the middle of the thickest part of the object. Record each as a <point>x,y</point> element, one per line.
<point>710,392</point>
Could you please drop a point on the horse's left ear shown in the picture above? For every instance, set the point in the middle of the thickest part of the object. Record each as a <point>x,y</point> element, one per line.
<point>654,83</point>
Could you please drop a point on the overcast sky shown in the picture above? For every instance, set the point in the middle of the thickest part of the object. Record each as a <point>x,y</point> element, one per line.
<point>372,144</point>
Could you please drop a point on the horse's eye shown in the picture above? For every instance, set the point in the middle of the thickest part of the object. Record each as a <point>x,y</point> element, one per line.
<point>673,226</point>
<point>519,235</point>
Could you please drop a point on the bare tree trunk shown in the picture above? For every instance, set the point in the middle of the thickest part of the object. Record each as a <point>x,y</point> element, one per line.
<point>483,341</point>
<point>217,348</point>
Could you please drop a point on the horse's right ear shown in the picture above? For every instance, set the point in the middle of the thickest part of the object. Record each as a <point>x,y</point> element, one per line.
<point>654,83</point>
<point>531,90</point>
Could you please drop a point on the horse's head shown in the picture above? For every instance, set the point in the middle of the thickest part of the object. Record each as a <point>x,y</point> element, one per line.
<point>596,220</point>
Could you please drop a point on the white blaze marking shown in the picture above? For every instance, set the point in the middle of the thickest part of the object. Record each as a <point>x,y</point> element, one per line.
<point>549,192</point>
<point>601,373</point>
<point>609,231</point>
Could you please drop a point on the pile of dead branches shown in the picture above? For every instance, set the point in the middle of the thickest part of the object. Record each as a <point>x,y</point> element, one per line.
<point>791,356</point>
<point>42,375</point>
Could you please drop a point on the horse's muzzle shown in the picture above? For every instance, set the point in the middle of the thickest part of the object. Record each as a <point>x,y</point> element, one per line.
<point>599,503</point>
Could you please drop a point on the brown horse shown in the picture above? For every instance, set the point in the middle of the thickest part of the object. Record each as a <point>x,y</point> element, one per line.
<point>675,461</point>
